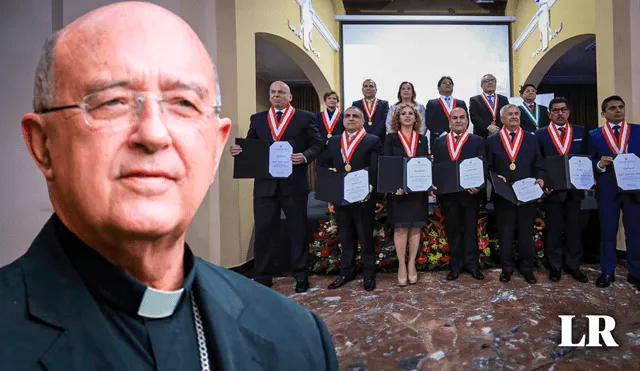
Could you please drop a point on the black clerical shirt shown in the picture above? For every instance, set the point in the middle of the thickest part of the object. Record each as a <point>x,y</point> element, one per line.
<point>168,343</point>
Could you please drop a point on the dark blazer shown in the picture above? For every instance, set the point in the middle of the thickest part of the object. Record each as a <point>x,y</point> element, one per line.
<point>529,162</point>
<point>337,129</point>
<point>50,321</point>
<point>578,147</point>
<point>365,155</point>
<point>528,125</point>
<point>393,146</point>
<point>436,119</point>
<point>480,114</point>
<point>379,121</point>
<point>474,147</point>
<point>303,131</point>
<point>607,189</point>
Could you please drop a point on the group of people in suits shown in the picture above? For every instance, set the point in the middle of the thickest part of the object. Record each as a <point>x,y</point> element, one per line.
<point>512,140</point>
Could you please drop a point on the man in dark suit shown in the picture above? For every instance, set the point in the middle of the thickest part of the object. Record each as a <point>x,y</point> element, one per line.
<point>563,207</point>
<point>109,283</point>
<point>374,109</point>
<point>514,154</point>
<point>438,111</point>
<point>484,109</point>
<point>461,210</point>
<point>270,196</point>
<point>616,137</point>
<point>355,149</point>
<point>532,115</point>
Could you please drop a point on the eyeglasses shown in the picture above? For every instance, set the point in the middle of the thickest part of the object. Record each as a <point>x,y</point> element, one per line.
<point>558,110</point>
<point>489,80</point>
<point>119,106</point>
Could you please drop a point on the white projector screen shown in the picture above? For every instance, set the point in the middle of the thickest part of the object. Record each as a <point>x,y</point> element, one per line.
<point>422,54</point>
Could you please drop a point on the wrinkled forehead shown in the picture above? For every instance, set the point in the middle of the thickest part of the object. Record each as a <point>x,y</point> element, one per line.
<point>134,47</point>
<point>353,112</point>
<point>458,112</point>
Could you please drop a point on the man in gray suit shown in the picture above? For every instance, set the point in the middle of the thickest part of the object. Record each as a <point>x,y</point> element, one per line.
<point>126,132</point>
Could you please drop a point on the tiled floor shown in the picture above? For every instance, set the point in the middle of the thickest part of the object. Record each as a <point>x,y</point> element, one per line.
<point>473,325</point>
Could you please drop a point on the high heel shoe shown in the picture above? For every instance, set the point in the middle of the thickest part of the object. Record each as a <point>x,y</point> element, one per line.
<point>402,281</point>
<point>413,278</point>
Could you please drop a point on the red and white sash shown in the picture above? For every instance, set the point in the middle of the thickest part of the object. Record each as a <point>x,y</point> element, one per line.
<point>618,145</point>
<point>410,147</point>
<point>563,145</point>
<point>348,147</point>
<point>455,147</point>
<point>512,148</point>
<point>446,109</point>
<point>493,109</point>
<point>278,128</point>
<point>329,124</point>
<point>370,111</point>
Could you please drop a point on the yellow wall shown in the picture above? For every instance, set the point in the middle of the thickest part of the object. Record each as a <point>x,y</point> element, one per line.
<point>269,18</point>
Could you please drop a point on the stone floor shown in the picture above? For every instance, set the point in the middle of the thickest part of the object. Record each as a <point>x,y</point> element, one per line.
<point>473,325</point>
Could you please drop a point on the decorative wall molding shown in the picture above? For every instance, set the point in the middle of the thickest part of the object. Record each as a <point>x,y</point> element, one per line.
<point>424,18</point>
<point>308,19</point>
<point>531,26</point>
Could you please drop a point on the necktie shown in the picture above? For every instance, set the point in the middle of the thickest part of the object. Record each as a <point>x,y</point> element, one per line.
<point>456,138</point>
<point>562,132</point>
<point>532,108</point>
<point>616,131</point>
<point>490,99</point>
<point>513,135</point>
<point>279,115</point>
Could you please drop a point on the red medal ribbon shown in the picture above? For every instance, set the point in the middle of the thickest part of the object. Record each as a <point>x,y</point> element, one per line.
<point>455,147</point>
<point>370,111</point>
<point>409,148</point>
<point>512,148</point>
<point>278,128</point>
<point>562,144</point>
<point>494,109</point>
<point>446,109</point>
<point>329,124</point>
<point>618,145</point>
<point>348,147</point>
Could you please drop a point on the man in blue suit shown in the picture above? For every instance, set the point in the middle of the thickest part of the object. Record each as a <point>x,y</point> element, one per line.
<point>375,110</point>
<point>129,141</point>
<point>563,207</point>
<point>614,138</point>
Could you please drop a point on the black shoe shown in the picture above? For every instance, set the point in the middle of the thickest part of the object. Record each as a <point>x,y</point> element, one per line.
<point>604,280</point>
<point>302,285</point>
<point>505,276</point>
<point>339,282</point>
<point>453,275</point>
<point>475,273</point>
<point>529,277</point>
<point>578,276</point>
<point>555,274</point>
<point>369,284</point>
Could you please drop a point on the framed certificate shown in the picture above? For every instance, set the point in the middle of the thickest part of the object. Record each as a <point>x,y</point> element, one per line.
<point>263,160</point>
<point>569,172</point>
<point>412,174</point>
<point>458,176</point>
<point>626,168</point>
<point>520,192</point>
<point>342,188</point>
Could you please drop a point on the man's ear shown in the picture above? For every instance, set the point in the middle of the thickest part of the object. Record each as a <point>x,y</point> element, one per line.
<point>36,140</point>
<point>224,129</point>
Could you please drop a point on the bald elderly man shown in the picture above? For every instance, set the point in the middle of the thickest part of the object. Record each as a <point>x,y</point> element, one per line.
<point>126,132</point>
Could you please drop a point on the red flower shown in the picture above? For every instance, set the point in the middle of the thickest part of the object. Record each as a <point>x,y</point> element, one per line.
<point>324,264</point>
<point>381,263</point>
<point>481,256</point>
<point>433,240</point>
<point>422,259</point>
<point>325,252</point>
<point>445,247</point>
<point>425,249</point>
<point>538,244</point>
<point>445,258</point>
<point>378,248</point>
<point>483,243</point>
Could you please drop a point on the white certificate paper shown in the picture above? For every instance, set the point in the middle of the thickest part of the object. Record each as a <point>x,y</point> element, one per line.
<point>527,190</point>
<point>627,170</point>
<point>419,176</point>
<point>581,172</point>
<point>471,173</point>
<point>356,186</point>
<point>280,165</point>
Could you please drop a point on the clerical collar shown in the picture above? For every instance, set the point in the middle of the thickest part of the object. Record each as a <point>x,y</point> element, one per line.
<point>111,285</point>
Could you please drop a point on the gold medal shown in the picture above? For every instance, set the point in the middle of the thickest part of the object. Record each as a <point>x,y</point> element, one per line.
<point>347,167</point>
<point>370,123</point>
<point>328,136</point>
<point>512,167</point>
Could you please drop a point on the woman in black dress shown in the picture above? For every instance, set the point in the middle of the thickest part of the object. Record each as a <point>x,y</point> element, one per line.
<point>407,212</point>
